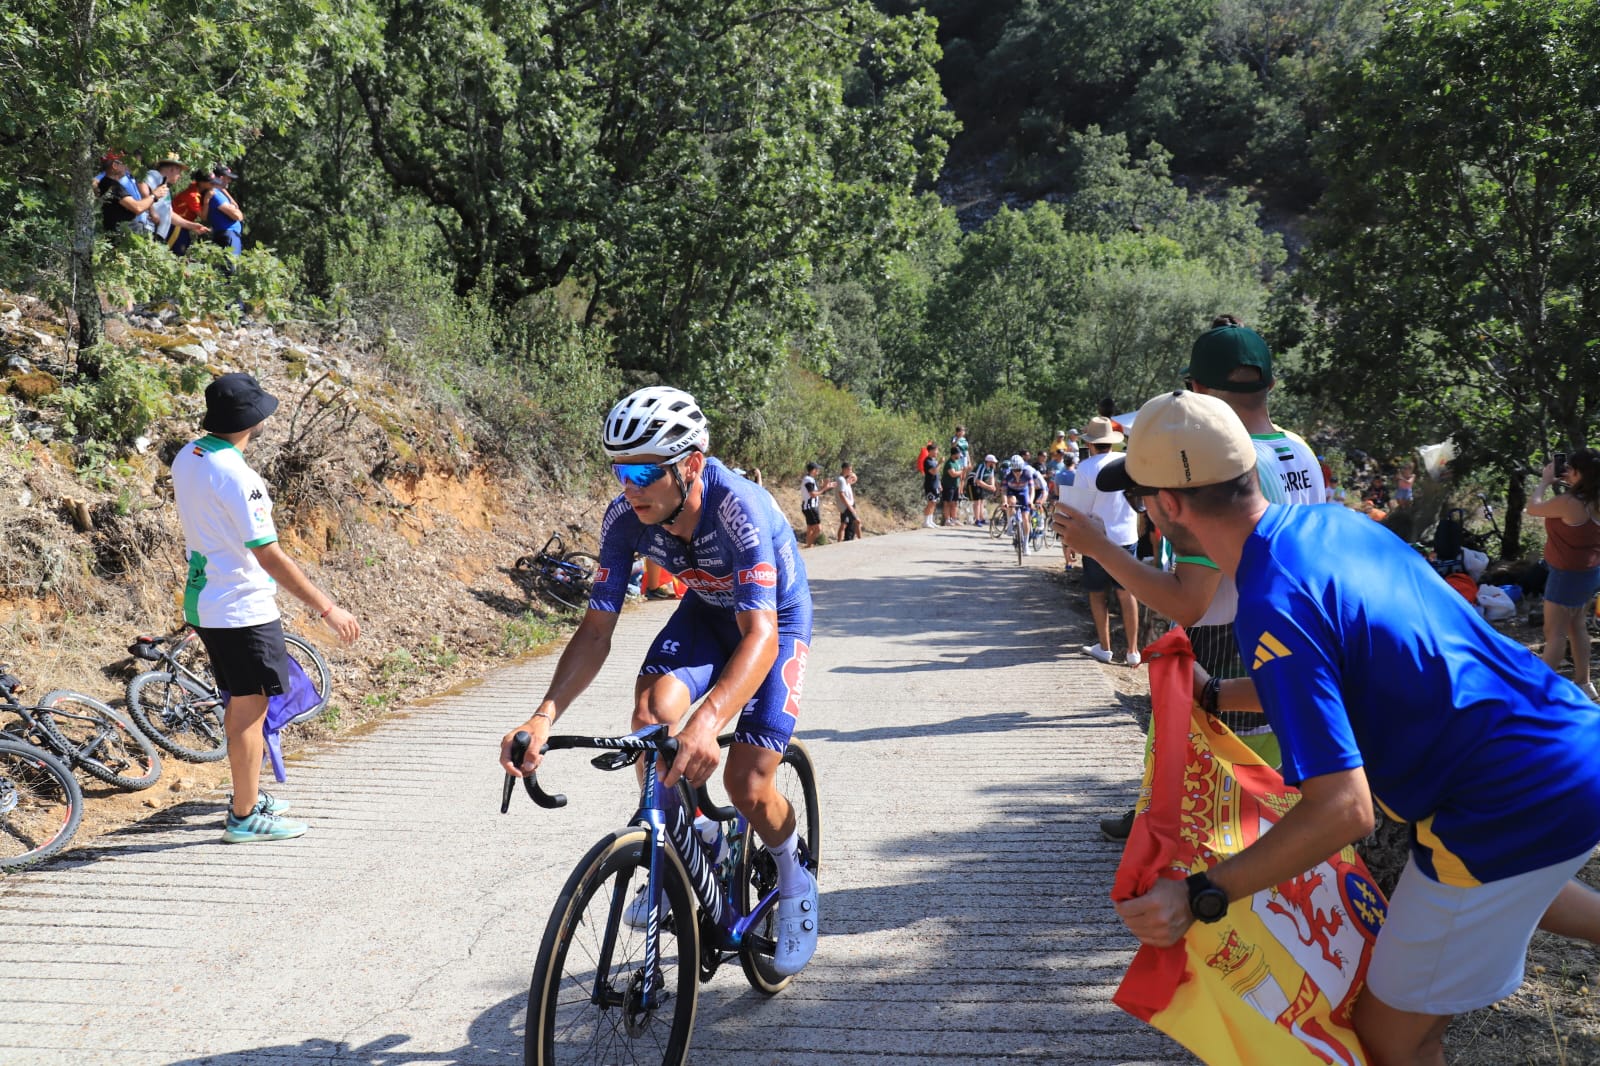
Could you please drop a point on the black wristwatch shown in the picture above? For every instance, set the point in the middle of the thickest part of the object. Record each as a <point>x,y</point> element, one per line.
<point>1207,902</point>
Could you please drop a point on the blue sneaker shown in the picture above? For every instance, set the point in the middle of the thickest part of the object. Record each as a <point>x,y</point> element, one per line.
<point>797,930</point>
<point>259,825</point>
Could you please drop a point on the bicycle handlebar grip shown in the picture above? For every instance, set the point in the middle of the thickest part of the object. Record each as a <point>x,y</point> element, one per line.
<point>519,751</point>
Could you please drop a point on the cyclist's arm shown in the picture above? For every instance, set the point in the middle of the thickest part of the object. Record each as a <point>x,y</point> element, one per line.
<point>748,667</point>
<point>293,580</point>
<point>577,668</point>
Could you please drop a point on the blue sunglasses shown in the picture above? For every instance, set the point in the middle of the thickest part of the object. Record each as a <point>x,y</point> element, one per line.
<point>643,475</point>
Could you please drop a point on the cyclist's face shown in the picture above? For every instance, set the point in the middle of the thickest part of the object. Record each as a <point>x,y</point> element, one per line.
<point>654,501</point>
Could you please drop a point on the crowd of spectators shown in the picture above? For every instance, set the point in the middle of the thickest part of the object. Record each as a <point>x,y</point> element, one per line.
<point>153,207</point>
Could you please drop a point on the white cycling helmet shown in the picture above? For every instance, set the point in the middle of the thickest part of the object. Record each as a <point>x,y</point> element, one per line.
<point>1016,460</point>
<point>658,420</point>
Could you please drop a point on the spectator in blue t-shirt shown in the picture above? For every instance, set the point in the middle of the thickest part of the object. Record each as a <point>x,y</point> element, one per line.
<point>223,214</point>
<point>1382,685</point>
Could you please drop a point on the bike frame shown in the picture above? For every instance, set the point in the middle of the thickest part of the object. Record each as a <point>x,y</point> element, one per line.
<point>665,816</point>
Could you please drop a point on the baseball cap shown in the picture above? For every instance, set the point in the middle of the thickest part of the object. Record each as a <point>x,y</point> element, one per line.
<point>236,402</point>
<point>200,175</point>
<point>111,156</point>
<point>223,172</point>
<point>1181,440</point>
<point>1218,352</point>
<point>988,458</point>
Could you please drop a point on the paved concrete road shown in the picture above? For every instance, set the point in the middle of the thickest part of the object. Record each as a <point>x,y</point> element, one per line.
<point>964,757</point>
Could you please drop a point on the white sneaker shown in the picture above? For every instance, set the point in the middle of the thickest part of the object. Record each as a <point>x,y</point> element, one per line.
<point>797,930</point>
<point>1588,690</point>
<point>1134,659</point>
<point>927,523</point>
<point>1095,651</point>
<point>637,912</point>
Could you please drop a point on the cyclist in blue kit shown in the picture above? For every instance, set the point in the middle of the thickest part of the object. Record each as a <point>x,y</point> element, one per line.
<point>738,641</point>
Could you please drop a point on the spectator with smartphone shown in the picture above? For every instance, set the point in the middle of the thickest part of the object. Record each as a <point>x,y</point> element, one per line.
<point>1572,551</point>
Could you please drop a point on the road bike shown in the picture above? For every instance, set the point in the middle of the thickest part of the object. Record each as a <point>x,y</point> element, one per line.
<point>606,992</point>
<point>566,577</point>
<point>40,804</point>
<point>83,733</point>
<point>179,705</point>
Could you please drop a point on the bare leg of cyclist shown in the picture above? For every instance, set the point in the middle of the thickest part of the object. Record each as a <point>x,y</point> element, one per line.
<point>242,721</point>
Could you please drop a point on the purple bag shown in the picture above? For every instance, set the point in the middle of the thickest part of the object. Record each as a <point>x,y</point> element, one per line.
<point>283,709</point>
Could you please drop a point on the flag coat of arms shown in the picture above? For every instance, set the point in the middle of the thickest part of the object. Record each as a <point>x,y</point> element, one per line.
<point>1273,982</point>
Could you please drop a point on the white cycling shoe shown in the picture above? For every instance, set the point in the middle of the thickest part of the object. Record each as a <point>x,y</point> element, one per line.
<point>637,912</point>
<point>797,930</point>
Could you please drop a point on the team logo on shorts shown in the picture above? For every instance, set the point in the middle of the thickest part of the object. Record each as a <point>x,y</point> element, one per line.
<point>794,678</point>
<point>763,574</point>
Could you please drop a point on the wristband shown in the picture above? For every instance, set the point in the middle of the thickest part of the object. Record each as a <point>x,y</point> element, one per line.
<point>1209,694</point>
<point>329,611</point>
<point>542,714</point>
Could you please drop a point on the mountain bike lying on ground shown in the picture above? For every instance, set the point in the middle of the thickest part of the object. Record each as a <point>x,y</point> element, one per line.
<point>606,992</point>
<point>83,733</point>
<point>40,804</point>
<point>179,706</point>
<point>564,576</point>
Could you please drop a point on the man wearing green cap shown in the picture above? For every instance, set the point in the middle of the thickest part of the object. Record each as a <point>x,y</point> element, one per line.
<point>235,569</point>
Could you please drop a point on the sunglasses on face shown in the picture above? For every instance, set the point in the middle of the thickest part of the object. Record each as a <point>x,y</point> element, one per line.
<point>1137,495</point>
<point>643,475</point>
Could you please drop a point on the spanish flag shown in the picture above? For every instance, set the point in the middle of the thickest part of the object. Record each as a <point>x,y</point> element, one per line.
<point>1273,983</point>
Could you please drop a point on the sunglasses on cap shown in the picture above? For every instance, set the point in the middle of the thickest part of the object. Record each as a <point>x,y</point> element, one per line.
<point>643,475</point>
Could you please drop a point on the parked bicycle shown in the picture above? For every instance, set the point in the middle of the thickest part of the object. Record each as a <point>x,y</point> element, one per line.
<point>605,992</point>
<point>566,577</point>
<point>83,733</point>
<point>40,804</point>
<point>179,706</point>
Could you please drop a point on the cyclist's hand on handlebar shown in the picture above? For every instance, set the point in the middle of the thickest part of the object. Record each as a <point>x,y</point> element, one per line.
<point>539,729</point>
<point>698,754</point>
<point>343,623</point>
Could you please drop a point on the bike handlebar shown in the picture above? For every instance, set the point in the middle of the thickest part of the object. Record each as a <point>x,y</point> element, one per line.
<point>652,739</point>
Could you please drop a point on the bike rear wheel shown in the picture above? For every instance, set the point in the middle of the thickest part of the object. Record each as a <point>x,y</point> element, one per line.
<point>316,670</point>
<point>756,872</point>
<point>570,581</point>
<point>40,805</point>
<point>566,1025</point>
<point>100,740</point>
<point>180,715</point>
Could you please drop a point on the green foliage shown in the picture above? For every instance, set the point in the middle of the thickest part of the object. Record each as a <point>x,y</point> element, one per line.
<point>208,281</point>
<point>1004,424</point>
<point>130,394</point>
<point>530,632</point>
<point>683,166</point>
<point>532,383</point>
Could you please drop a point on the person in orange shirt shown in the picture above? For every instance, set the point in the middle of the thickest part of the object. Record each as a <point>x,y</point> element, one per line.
<point>187,205</point>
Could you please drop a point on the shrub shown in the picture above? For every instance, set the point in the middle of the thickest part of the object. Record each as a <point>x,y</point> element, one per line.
<point>130,394</point>
<point>207,281</point>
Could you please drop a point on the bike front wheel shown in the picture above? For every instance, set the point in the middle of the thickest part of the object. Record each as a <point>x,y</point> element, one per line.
<point>40,805</point>
<point>585,1005</point>
<point>100,740</point>
<point>756,872</point>
<point>180,715</point>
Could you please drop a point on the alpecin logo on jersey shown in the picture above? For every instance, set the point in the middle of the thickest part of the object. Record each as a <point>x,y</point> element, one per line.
<point>794,678</point>
<point>737,523</point>
<point>763,574</point>
<point>704,581</point>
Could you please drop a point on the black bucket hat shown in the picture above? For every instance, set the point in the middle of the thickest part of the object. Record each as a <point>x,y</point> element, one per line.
<point>235,402</point>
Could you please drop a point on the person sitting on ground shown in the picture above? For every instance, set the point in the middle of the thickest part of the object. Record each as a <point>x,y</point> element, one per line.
<point>1385,687</point>
<point>1572,551</point>
<point>1113,519</point>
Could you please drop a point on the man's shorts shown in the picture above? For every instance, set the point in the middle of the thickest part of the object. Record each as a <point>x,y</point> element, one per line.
<point>930,487</point>
<point>1446,950</point>
<point>697,642</point>
<point>250,660</point>
<point>1095,578</point>
<point>812,515</point>
<point>951,492</point>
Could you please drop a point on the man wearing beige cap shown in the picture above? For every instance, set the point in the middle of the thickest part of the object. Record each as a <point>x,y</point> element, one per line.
<point>1488,754</point>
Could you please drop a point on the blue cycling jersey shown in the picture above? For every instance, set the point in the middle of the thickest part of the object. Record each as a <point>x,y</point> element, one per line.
<point>742,557</point>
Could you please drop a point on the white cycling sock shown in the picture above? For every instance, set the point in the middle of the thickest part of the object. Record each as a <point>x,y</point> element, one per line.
<point>791,875</point>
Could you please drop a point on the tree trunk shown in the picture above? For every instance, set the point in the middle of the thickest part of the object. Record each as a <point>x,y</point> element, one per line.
<point>1516,501</point>
<point>85,297</point>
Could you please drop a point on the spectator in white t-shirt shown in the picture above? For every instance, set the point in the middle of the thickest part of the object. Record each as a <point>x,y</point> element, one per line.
<point>1111,513</point>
